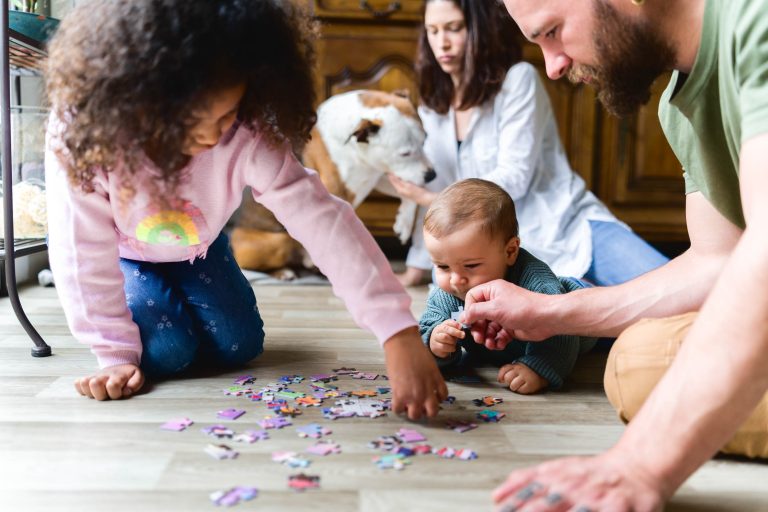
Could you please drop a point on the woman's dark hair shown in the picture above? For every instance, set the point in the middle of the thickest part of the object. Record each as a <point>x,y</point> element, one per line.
<point>125,77</point>
<point>492,48</point>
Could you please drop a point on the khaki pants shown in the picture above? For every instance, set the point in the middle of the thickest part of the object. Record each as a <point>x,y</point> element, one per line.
<point>640,357</point>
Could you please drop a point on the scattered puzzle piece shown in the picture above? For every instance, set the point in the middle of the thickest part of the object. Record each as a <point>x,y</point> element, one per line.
<point>276,422</point>
<point>220,451</point>
<point>445,452</point>
<point>460,426</point>
<point>391,461</point>
<point>344,371</point>
<point>231,414</point>
<point>323,377</point>
<point>238,391</point>
<point>245,380</point>
<point>324,447</point>
<point>313,430</point>
<point>309,401</point>
<point>455,316</point>
<point>251,436</point>
<point>450,400</point>
<point>487,401</point>
<point>302,482</point>
<point>385,443</point>
<point>383,390</point>
<point>365,376</point>
<point>488,416</point>
<point>363,393</point>
<point>350,407</point>
<point>466,454</point>
<point>291,379</point>
<point>233,496</point>
<point>218,431</point>
<point>410,436</point>
<point>291,459</point>
<point>177,424</point>
<point>422,449</point>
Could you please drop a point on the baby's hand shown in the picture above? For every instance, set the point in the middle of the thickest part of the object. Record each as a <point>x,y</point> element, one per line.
<point>521,379</point>
<point>120,381</point>
<point>444,337</point>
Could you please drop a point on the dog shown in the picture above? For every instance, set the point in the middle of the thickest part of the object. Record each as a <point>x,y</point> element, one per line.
<point>359,138</point>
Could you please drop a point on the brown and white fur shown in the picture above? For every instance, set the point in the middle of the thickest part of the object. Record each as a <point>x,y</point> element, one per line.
<point>359,138</point>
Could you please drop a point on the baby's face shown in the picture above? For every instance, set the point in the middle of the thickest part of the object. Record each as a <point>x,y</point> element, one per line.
<point>468,257</point>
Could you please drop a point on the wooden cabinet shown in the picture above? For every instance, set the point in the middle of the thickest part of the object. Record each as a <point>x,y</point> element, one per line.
<point>627,163</point>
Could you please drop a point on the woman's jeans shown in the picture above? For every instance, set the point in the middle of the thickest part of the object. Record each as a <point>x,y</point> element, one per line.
<point>205,310</point>
<point>619,255</point>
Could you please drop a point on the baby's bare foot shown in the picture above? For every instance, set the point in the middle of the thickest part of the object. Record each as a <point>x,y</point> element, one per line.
<point>521,379</point>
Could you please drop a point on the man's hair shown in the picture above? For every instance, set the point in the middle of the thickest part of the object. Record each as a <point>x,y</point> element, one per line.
<point>472,200</point>
<point>126,77</point>
<point>492,48</point>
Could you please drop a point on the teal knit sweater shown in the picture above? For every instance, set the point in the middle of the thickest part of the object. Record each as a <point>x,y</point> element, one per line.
<point>553,358</point>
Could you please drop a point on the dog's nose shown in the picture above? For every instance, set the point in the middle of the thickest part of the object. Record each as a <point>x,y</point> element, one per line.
<point>429,175</point>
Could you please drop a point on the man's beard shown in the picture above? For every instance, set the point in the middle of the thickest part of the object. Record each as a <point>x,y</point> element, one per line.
<point>631,55</point>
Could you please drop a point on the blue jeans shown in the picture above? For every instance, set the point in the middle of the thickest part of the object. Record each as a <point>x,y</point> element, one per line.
<point>619,255</point>
<point>205,310</point>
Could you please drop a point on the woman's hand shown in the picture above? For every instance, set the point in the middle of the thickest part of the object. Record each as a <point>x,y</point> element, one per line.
<point>408,190</point>
<point>417,386</point>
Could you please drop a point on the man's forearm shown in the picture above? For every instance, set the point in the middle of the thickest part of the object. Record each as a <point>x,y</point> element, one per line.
<point>679,286</point>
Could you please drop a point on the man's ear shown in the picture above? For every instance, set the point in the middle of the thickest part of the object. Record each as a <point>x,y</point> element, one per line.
<point>365,129</point>
<point>512,250</point>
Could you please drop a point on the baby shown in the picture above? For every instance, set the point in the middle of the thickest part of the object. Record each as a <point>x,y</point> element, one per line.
<point>470,231</point>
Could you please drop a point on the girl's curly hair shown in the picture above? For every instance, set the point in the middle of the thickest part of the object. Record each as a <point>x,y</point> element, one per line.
<point>126,76</point>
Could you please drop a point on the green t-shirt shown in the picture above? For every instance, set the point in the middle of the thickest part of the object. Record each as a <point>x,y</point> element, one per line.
<point>708,114</point>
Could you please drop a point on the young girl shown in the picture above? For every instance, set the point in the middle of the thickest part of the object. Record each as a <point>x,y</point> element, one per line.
<point>487,115</point>
<point>162,113</point>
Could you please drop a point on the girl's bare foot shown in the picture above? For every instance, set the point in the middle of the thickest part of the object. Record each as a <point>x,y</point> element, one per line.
<point>521,379</point>
<point>412,277</point>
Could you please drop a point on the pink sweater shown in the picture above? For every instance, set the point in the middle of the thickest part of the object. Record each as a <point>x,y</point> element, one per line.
<point>90,232</point>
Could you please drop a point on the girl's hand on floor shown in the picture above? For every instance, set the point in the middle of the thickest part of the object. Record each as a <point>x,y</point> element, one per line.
<point>120,381</point>
<point>417,386</point>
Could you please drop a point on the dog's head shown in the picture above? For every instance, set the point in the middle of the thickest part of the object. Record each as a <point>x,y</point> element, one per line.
<point>390,137</point>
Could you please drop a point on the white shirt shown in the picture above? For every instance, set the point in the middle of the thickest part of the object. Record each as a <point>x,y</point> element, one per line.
<point>513,141</point>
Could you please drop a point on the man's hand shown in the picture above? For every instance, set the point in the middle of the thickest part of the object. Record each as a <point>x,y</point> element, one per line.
<point>120,381</point>
<point>606,482</point>
<point>408,190</point>
<point>444,337</point>
<point>417,386</point>
<point>518,312</point>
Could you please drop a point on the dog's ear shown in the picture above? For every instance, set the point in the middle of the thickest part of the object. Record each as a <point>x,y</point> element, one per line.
<point>403,93</point>
<point>365,129</point>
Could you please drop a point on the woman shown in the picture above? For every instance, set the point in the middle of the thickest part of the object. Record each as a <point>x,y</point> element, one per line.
<point>487,115</point>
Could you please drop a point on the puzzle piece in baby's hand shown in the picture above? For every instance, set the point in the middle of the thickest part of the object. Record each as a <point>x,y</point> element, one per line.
<point>490,416</point>
<point>410,436</point>
<point>457,314</point>
<point>313,430</point>
<point>231,414</point>
<point>251,436</point>
<point>460,426</point>
<point>233,496</point>
<point>466,454</point>
<point>220,451</point>
<point>277,422</point>
<point>291,459</point>
<point>302,482</point>
<point>245,380</point>
<point>218,431</point>
<point>487,401</point>
<point>177,424</point>
<point>391,461</point>
<point>324,447</point>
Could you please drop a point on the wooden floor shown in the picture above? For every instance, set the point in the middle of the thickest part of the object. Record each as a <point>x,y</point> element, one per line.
<point>59,451</point>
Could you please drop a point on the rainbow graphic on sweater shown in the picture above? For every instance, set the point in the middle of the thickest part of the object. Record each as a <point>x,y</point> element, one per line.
<point>168,227</point>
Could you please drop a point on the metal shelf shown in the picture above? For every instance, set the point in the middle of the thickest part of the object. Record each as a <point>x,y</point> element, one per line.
<point>22,36</point>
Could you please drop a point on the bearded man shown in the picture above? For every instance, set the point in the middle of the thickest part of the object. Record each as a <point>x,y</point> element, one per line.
<point>689,371</point>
